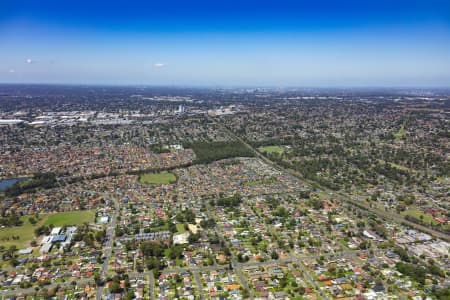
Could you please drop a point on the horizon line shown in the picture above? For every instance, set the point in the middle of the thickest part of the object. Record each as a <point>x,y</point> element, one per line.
<point>227,86</point>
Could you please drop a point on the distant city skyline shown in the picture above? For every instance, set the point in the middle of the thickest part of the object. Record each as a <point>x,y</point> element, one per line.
<point>234,43</point>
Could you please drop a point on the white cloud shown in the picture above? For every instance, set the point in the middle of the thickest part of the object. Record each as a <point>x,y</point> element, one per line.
<point>30,61</point>
<point>159,65</point>
<point>11,71</point>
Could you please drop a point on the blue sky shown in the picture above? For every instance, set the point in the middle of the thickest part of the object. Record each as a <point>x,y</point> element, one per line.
<point>226,43</point>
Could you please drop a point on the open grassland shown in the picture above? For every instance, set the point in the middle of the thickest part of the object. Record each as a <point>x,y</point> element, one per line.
<point>400,133</point>
<point>157,178</point>
<point>20,236</point>
<point>71,218</point>
<point>424,217</point>
<point>272,149</point>
<point>271,180</point>
<point>180,228</point>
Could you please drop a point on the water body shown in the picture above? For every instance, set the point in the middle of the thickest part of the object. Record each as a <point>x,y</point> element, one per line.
<point>6,183</point>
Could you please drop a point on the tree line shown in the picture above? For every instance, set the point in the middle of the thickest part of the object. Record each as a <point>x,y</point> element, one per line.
<point>207,152</point>
<point>39,180</point>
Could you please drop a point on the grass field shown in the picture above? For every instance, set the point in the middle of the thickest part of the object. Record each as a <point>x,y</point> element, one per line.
<point>271,180</point>
<point>157,178</point>
<point>24,232</point>
<point>71,218</point>
<point>426,218</point>
<point>400,134</point>
<point>180,228</point>
<point>272,149</point>
<point>416,213</point>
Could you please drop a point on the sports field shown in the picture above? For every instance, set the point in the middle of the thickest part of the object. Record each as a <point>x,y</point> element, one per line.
<point>157,178</point>
<point>19,236</point>
<point>272,149</point>
<point>71,218</point>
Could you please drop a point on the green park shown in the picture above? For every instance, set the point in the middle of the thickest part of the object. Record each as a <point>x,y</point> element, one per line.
<point>157,178</point>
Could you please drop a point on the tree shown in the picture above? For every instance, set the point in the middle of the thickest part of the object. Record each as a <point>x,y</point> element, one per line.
<point>32,221</point>
<point>193,238</point>
<point>153,263</point>
<point>150,248</point>
<point>172,227</point>
<point>14,262</point>
<point>97,278</point>
<point>115,287</point>
<point>363,245</point>
<point>274,255</point>
<point>176,251</point>
<point>207,152</point>
<point>100,236</point>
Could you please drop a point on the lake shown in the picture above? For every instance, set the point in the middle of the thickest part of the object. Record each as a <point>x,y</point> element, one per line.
<point>6,183</point>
